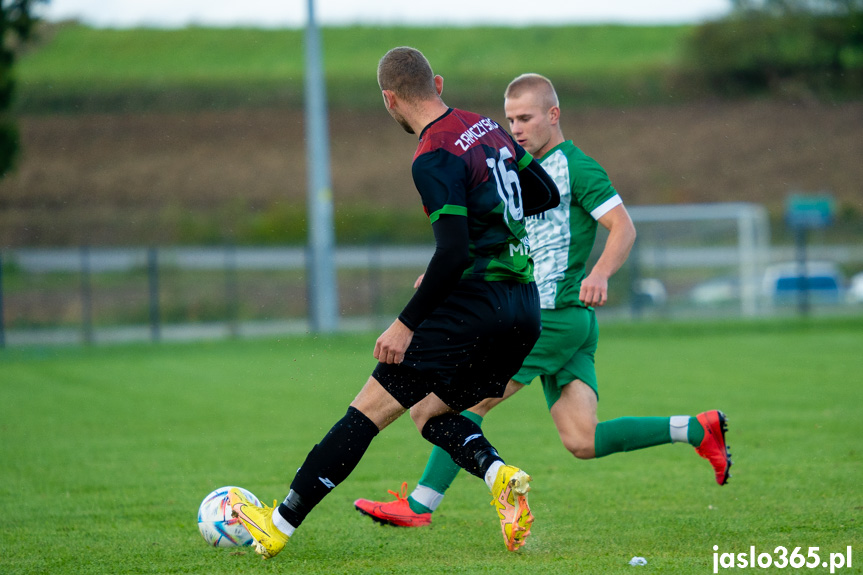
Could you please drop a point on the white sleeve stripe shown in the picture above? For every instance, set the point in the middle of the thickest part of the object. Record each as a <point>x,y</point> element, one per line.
<point>606,207</point>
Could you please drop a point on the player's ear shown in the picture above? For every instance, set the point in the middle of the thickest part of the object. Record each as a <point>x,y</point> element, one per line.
<point>388,98</point>
<point>438,84</point>
<point>554,115</point>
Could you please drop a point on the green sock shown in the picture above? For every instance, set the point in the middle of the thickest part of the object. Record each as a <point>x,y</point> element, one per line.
<point>695,432</point>
<point>631,433</point>
<point>440,471</point>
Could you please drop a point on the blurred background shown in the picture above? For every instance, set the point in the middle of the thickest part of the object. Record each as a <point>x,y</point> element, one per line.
<point>154,156</point>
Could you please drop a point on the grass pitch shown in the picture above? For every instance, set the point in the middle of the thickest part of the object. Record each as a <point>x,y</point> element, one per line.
<point>107,452</point>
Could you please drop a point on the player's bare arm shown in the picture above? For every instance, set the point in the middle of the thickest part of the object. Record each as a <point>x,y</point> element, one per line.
<point>621,236</point>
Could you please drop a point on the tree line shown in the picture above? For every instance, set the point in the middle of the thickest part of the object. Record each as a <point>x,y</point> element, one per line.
<point>780,46</point>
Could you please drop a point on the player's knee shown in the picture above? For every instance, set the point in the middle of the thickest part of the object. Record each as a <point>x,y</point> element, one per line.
<point>419,418</point>
<point>583,451</point>
<point>580,444</point>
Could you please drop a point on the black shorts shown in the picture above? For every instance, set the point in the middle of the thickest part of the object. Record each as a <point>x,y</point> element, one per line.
<point>470,346</point>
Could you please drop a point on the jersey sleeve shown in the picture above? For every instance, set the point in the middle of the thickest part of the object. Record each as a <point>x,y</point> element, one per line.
<point>440,178</point>
<point>443,272</point>
<point>593,190</point>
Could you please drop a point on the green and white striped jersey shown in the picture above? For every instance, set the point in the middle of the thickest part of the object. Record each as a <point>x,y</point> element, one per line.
<point>562,238</point>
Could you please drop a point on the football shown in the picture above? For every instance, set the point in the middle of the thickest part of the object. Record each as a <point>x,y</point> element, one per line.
<point>215,523</point>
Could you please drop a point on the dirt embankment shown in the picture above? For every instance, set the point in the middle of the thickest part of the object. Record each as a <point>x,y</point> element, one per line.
<point>127,179</point>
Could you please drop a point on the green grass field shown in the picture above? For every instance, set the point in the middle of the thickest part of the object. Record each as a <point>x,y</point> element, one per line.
<point>75,66</point>
<point>107,452</point>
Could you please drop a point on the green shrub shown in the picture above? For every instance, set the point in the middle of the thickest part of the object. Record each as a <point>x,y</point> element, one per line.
<point>760,52</point>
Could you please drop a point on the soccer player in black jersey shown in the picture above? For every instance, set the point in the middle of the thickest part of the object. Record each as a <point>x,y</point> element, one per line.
<point>467,328</point>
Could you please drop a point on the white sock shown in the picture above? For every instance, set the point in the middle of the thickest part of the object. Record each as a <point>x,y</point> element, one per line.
<point>491,474</point>
<point>427,496</point>
<point>282,524</point>
<point>679,429</point>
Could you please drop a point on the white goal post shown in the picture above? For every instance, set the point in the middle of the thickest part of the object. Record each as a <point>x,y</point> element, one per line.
<point>734,234</point>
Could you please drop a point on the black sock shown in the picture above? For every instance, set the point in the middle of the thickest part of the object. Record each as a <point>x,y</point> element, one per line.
<point>463,440</point>
<point>328,464</point>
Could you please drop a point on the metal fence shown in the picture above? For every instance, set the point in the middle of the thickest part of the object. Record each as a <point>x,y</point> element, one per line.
<point>119,294</point>
<point>705,262</point>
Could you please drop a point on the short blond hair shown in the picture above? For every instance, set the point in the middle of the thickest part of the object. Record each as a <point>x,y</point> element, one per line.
<point>405,71</point>
<point>535,83</point>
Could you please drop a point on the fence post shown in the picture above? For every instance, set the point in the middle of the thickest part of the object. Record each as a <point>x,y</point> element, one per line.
<point>636,304</point>
<point>232,291</point>
<point>2,315</point>
<point>375,289</point>
<point>153,282</point>
<point>803,282</point>
<point>86,297</point>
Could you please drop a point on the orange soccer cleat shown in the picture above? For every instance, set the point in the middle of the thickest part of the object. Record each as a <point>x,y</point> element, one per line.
<point>397,513</point>
<point>713,447</point>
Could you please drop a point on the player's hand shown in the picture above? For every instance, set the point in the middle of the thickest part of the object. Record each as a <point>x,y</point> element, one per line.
<point>393,343</point>
<point>594,290</point>
<point>419,281</point>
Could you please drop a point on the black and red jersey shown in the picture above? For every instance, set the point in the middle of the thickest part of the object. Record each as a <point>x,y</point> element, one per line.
<point>467,165</point>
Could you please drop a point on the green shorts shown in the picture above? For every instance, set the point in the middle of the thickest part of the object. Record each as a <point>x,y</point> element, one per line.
<point>564,352</point>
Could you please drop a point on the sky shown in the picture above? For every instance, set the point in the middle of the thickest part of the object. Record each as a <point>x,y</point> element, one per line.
<point>293,13</point>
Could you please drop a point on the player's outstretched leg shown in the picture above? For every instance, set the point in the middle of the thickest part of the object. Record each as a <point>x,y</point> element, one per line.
<point>509,492</point>
<point>269,540</point>
<point>397,513</point>
<point>713,447</point>
<point>706,433</point>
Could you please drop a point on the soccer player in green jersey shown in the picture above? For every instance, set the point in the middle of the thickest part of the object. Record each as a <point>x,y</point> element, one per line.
<point>561,240</point>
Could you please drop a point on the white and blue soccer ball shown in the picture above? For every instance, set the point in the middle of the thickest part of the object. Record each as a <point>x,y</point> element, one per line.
<point>215,523</point>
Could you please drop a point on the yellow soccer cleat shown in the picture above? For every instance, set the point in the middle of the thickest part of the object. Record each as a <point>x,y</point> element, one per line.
<point>510,499</point>
<point>269,541</point>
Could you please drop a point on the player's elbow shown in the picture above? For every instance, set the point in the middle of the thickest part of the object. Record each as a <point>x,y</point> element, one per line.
<point>624,230</point>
